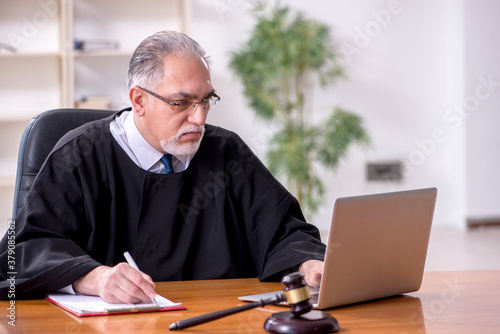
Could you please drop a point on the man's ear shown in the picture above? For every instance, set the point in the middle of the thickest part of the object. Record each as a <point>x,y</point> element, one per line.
<point>138,100</point>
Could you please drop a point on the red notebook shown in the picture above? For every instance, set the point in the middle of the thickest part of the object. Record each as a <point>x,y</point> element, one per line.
<point>87,306</point>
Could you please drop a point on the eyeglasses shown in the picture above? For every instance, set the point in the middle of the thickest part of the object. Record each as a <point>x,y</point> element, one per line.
<point>181,105</point>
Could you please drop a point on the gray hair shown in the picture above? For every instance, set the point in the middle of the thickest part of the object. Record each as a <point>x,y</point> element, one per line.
<point>146,65</point>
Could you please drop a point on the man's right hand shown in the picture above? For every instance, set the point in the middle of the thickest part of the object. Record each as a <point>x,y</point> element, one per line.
<point>118,284</point>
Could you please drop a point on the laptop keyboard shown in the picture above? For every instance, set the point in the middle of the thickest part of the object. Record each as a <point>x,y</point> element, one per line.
<point>314,292</point>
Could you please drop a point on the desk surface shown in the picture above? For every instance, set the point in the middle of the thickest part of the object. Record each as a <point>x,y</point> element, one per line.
<point>447,302</point>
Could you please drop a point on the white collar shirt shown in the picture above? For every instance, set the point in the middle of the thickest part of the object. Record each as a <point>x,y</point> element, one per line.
<point>127,135</point>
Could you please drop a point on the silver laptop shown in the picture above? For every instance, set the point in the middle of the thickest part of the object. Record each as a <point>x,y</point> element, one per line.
<point>376,248</point>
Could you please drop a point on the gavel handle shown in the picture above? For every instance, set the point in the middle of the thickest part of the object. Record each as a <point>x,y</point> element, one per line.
<point>219,314</point>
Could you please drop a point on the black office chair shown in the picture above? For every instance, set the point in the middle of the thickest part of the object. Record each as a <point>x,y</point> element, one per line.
<point>38,139</point>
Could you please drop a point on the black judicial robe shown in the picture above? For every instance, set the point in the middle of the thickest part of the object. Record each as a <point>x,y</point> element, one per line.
<point>225,216</point>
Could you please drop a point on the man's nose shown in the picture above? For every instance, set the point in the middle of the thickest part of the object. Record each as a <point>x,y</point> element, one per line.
<point>198,115</point>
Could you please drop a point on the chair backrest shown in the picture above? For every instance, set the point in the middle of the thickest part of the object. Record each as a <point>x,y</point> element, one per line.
<point>38,139</point>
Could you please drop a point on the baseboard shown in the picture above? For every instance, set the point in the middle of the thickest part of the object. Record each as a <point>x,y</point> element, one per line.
<point>477,222</point>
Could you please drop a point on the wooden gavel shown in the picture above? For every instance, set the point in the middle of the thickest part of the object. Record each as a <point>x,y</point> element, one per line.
<point>296,294</point>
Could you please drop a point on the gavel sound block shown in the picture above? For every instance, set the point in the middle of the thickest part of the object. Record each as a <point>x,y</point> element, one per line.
<point>300,319</point>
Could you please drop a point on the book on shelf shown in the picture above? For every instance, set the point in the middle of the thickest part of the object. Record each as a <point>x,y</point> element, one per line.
<point>95,102</point>
<point>95,45</point>
<point>7,47</point>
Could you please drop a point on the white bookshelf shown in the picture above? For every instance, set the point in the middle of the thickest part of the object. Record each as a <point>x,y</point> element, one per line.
<point>46,72</point>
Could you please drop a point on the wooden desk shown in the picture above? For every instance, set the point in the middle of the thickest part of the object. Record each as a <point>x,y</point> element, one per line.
<point>448,302</point>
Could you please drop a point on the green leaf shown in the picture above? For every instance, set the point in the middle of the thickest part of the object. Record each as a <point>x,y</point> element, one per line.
<point>340,131</point>
<point>277,65</point>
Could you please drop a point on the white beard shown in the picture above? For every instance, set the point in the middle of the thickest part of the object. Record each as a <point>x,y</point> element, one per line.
<point>173,146</point>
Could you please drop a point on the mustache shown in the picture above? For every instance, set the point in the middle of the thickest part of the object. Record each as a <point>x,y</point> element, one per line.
<point>190,128</point>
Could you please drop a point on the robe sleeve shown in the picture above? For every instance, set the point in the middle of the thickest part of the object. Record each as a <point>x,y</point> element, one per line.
<point>279,237</point>
<point>50,231</point>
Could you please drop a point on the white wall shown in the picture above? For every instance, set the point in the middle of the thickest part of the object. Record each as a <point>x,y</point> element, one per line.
<point>415,69</point>
<point>406,78</point>
<point>482,36</point>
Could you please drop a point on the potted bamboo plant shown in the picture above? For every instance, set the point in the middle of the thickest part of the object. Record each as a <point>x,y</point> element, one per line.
<point>286,55</point>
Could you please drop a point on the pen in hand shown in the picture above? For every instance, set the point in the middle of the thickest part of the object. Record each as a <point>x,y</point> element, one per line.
<point>132,263</point>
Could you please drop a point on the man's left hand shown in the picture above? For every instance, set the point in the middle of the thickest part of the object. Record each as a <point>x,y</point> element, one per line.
<point>312,271</point>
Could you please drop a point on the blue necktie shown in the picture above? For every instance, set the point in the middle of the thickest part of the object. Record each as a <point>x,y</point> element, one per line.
<point>167,162</point>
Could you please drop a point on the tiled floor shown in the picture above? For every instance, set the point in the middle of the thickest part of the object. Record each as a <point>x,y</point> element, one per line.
<point>454,249</point>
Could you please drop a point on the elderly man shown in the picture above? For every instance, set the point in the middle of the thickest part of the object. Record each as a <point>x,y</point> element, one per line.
<point>187,199</point>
